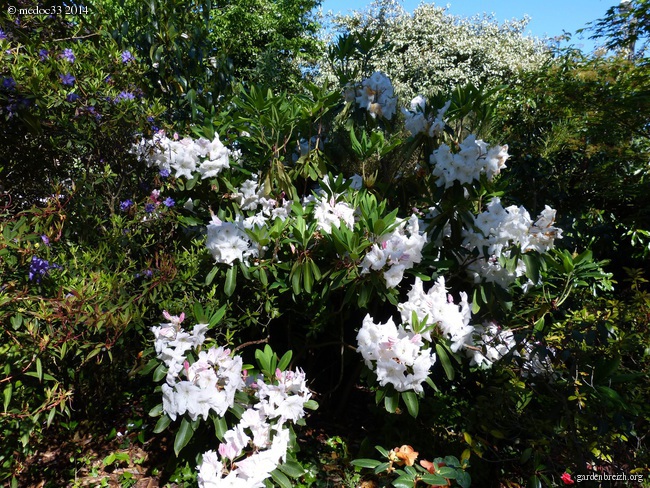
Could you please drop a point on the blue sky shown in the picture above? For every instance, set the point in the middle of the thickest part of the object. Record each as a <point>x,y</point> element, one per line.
<point>548,17</point>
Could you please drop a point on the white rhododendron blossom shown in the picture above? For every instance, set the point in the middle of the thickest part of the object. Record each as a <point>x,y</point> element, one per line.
<point>397,356</point>
<point>496,343</point>
<point>468,164</point>
<point>416,120</point>
<point>255,446</point>
<point>329,213</point>
<point>185,156</point>
<point>498,230</point>
<point>210,383</point>
<point>262,430</point>
<point>396,252</point>
<point>537,360</point>
<point>377,96</point>
<point>228,241</point>
<point>402,355</point>
<point>437,308</point>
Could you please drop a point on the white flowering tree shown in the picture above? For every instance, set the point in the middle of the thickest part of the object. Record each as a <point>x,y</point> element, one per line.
<point>432,50</point>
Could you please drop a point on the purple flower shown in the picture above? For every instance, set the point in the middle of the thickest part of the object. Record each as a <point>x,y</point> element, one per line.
<point>43,54</point>
<point>127,57</point>
<point>124,206</point>
<point>9,84</point>
<point>124,96</point>
<point>169,202</point>
<point>38,268</point>
<point>164,172</point>
<point>67,79</point>
<point>68,55</point>
<point>3,35</point>
<point>149,207</point>
<point>72,97</point>
<point>46,240</point>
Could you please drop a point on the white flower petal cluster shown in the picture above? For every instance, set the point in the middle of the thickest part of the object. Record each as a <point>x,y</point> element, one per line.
<point>416,120</point>
<point>465,166</point>
<point>398,251</point>
<point>229,241</point>
<point>494,343</point>
<point>377,96</point>
<point>397,356</point>
<point>329,213</point>
<point>261,429</point>
<point>254,447</point>
<point>436,309</point>
<point>210,382</point>
<point>498,230</point>
<point>185,156</point>
<point>402,355</point>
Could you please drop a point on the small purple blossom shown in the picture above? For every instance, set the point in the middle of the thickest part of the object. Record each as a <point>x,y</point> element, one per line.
<point>124,96</point>
<point>125,205</point>
<point>168,202</point>
<point>67,79</point>
<point>72,97</point>
<point>38,268</point>
<point>46,240</point>
<point>149,207</point>
<point>43,54</point>
<point>68,55</point>
<point>9,84</point>
<point>164,173</point>
<point>127,57</point>
<point>3,35</point>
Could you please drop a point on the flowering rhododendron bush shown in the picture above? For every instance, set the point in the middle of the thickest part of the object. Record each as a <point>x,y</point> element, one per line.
<point>336,286</point>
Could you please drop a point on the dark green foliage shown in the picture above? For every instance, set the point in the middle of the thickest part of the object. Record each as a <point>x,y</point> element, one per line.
<point>579,140</point>
<point>68,104</point>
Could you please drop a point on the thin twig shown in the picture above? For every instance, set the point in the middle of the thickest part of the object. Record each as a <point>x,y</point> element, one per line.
<point>251,343</point>
<point>76,37</point>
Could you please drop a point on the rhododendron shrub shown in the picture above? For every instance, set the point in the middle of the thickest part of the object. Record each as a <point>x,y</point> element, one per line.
<point>339,223</point>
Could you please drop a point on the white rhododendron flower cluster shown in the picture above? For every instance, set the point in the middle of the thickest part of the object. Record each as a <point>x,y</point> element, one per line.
<point>398,251</point>
<point>416,120</point>
<point>402,355</point>
<point>264,429</point>
<point>210,382</point>
<point>329,213</point>
<point>498,230</point>
<point>473,159</point>
<point>377,96</point>
<point>254,447</point>
<point>185,156</point>
<point>229,241</point>
<point>498,342</point>
<point>437,308</point>
<point>396,355</point>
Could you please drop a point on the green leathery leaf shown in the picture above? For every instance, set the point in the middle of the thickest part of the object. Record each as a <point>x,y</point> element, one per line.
<point>231,281</point>
<point>446,363</point>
